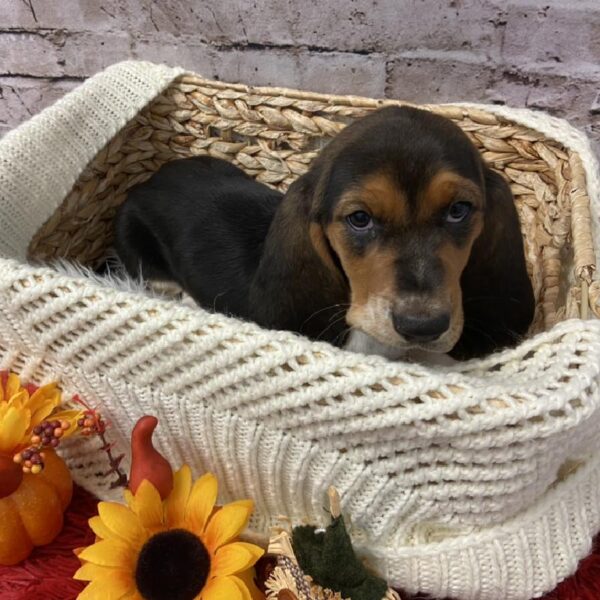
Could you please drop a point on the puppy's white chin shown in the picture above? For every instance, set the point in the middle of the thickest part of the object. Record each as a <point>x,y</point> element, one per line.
<point>363,343</point>
<point>424,357</point>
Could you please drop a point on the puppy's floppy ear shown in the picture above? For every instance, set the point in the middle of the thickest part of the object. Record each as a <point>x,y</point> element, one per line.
<point>297,285</point>
<point>324,251</point>
<point>498,298</point>
<point>314,191</point>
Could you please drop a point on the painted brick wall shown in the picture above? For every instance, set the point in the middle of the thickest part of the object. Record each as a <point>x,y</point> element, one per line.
<point>538,53</point>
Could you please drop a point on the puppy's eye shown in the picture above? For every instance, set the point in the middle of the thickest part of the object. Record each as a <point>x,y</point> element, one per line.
<point>360,220</point>
<point>458,212</point>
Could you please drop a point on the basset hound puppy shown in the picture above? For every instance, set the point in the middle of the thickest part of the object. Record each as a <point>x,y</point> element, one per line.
<point>398,238</point>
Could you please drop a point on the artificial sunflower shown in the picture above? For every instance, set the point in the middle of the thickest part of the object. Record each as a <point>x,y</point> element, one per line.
<point>179,548</point>
<point>25,409</point>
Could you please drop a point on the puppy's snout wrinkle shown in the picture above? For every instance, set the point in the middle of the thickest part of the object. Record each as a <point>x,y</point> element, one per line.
<point>421,328</point>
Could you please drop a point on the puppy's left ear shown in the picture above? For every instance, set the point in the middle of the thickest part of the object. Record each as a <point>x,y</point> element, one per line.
<point>498,297</point>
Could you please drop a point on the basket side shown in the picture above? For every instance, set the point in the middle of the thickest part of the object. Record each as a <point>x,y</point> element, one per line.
<point>42,159</point>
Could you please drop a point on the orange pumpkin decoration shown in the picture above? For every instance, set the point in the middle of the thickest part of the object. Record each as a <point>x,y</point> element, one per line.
<point>31,514</point>
<point>35,483</point>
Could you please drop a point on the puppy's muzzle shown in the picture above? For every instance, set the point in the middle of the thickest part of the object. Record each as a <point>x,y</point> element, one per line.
<point>421,328</point>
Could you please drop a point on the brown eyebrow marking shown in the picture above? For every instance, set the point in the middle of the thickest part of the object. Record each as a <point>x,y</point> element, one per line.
<point>444,187</point>
<point>378,194</point>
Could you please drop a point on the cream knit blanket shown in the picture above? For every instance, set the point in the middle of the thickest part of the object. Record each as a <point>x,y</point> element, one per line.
<point>480,482</point>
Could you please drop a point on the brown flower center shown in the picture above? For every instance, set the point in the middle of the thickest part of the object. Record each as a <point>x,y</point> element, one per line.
<point>172,565</point>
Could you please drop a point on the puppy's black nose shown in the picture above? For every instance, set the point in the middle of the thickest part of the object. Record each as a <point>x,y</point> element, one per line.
<point>425,328</point>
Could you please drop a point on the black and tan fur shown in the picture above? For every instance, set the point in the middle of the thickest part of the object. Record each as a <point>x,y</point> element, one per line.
<point>412,280</point>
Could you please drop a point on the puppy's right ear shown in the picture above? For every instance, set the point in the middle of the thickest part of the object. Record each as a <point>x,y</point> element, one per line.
<point>297,285</point>
<point>321,245</point>
<point>314,191</point>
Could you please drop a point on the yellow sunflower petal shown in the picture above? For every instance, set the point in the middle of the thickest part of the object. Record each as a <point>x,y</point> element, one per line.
<point>115,586</point>
<point>19,400</point>
<point>221,588</point>
<point>110,553</point>
<point>43,401</point>
<point>148,506</point>
<point>13,427</point>
<point>100,529</point>
<point>177,501</point>
<point>92,591</point>
<point>129,498</point>
<point>122,522</point>
<point>255,550</point>
<point>249,504</point>
<point>235,558</point>
<point>89,571</point>
<point>227,523</point>
<point>201,502</point>
<point>246,595</point>
<point>247,578</point>
<point>13,385</point>
<point>42,413</point>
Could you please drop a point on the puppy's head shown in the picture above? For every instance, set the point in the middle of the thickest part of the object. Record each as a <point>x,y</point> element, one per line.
<point>398,202</point>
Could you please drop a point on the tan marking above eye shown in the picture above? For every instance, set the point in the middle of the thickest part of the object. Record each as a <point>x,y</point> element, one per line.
<point>444,188</point>
<point>378,195</point>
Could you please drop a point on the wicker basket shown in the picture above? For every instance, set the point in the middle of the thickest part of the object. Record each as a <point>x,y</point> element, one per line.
<point>274,134</point>
<point>478,481</point>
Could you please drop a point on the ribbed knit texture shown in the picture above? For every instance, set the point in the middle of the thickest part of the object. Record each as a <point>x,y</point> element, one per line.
<point>451,477</point>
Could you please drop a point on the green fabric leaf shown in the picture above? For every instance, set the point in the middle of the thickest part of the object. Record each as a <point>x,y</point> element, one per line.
<point>328,557</point>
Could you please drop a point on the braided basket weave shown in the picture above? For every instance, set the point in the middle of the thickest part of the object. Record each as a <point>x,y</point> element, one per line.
<point>480,481</point>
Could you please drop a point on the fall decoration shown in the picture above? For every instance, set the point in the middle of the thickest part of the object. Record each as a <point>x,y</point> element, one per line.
<point>35,484</point>
<point>146,461</point>
<point>314,564</point>
<point>92,423</point>
<point>171,541</point>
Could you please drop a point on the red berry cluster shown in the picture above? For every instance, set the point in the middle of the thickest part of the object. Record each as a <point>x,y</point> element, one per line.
<point>32,460</point>
<point>48,433</point>
<point>91,423</point>
<point>45,435</point>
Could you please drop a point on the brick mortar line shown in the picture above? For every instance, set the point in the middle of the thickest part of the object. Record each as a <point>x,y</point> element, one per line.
<point>226,47</point>
<point>221,46</point>
<point>45,77</point>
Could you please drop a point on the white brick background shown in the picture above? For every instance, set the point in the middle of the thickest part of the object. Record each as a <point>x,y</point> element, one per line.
<point>538,53</point>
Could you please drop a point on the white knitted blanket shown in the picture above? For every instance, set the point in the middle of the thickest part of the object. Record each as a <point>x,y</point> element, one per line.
<point>480,482</point>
